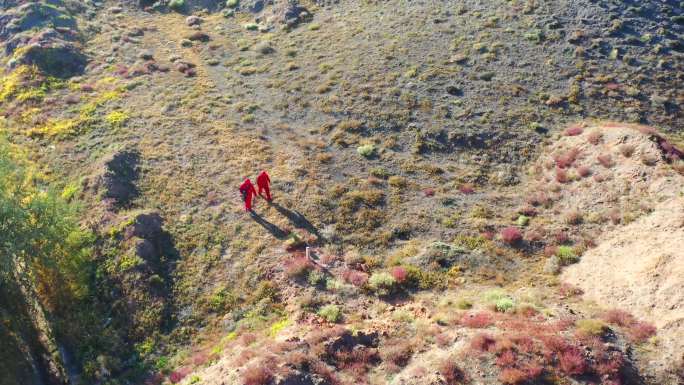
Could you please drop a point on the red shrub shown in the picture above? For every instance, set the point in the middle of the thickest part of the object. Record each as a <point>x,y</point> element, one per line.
<point>325,372</point>
<point>539,199</point>
<point>561,237</point>
<point>528,210</point>
<point>562,175</point>
<point>606,160</point>
<point>594,137</point>
<point>477,320</point>
<point>428,192</point>
<point>482,342</point>
<point>466,189</point>
<point>523,343</point>
<point>641,331</point>
<point>610,364</point>
<point>178,375</point>
<point>248,339</point>
<point>571,361</point>
<point>618,317</point>
<point>452,374</point>
<point>506,359</point>
<point>257,375</point>
<point>513,376</point>
<point>355,277</point>
<point>573,131</point>
<point>511,235</point>
<point>568,290</point>
<point>583,171</point>
<point>399,273</point>
<point>554,344</point>
<point>298,267</point>
<point>200,358</point>
<point>443,340</point>
<point>566,159</point>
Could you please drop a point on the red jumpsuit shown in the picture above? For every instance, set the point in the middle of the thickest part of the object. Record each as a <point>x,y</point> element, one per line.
<point>264,181</point>
<point>248,192</point>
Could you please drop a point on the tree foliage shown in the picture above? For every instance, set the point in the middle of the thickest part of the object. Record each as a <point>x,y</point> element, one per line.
<point>40,239</point>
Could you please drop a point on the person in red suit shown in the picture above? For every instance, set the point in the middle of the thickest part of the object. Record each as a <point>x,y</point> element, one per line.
<point>248,192</point>
<point>264,182</point>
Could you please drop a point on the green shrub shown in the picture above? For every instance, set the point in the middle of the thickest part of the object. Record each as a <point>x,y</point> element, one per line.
<point>315,277</point>
<point>380,172</point>
<point>232,3</point>
<point>523,220</point>
<point>592,327</point>
<point>503,305</point>
<point>464,304</point>
<point>331,313</point>
<point>382,283</point>
<point>251,26</point>
<point>367,150</point>
<point>567,255</point>
<point>177,5</point>
<point>397,181</point>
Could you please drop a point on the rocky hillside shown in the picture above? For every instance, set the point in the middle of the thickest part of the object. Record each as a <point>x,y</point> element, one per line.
<point>471,205</point>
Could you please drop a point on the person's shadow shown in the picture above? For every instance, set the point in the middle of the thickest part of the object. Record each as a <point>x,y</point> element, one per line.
<point>270,227</point>
<point>297,219</point>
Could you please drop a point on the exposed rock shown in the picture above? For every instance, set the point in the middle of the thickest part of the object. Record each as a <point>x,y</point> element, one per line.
<point>348,341</point>
<point>264,48</point>
<point>193,20</point>
<point>199,36</point>
<point>437,256</point>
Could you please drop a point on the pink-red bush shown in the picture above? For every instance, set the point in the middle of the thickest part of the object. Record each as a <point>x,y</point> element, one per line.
<point>482,342</point>
<point>566,159</point>
<point>594,137</point>
<point>641,331</point>
<point>583,171</point>
<point>572,362</point>
<point>466,189</point>
<point>506,359</point>
<point>511,235</point>
<point>178,375</point>
<point>257,375</point>
<point>452,374</point>
<point>562,175</point>
<point>298,267</point>
<point>355,277</point>
<point>606,160</point>
<point>514,376</point>
<point>618,317</point>
<point>399,273</point>
<point>477,320</point>
<point>573,131</point>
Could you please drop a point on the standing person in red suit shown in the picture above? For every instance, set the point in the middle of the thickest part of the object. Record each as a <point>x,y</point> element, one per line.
<point>248,192</point>
<point>264,182</point>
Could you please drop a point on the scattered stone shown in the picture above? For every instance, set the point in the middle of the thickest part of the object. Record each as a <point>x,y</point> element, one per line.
<point>264,48</point>
<point>454,91</point>
<point>552,265</point>
<point>115,10</point>
<point>146,55</point>
<point>193,20</point>
<point>199,36</point>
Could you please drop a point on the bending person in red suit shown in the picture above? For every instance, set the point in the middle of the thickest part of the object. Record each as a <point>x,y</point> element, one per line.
<point>264,182</point>
<point>248,192</point>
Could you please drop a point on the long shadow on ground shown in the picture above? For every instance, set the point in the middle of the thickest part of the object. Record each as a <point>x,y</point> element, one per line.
<point>297,219</point>
<point>270,227</point>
